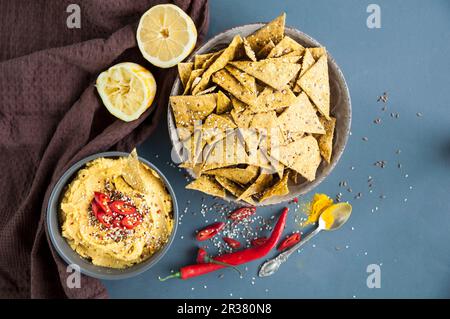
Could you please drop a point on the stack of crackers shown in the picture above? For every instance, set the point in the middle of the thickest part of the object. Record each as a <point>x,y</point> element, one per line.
<point>255,117</point>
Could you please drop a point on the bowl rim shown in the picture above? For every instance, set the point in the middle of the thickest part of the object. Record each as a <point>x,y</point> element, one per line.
<point>54,225</point>
<point>308,186</point>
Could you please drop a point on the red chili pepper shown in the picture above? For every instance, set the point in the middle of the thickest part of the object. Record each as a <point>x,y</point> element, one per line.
<point>242,213</point>
<point>96,209</point>
<point>295,199</point>
<point>258,241</point>
<point>233,243</point>
<point>289,242</point>
<point>201,256</point>
<point>116,222</point>
<point>130,222</point>
<point>210,231</point>
<point>102,200</point>
<point>122,208</point>
<point>235,258</point>
<point>100,214</point>
<point>101,218</point>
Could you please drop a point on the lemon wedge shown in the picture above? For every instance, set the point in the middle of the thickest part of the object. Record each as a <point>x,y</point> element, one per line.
<point>127,90</point>
<point>166,35</point>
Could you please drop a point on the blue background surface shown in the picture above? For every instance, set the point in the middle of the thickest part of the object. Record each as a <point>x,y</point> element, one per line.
<point>408,232</point>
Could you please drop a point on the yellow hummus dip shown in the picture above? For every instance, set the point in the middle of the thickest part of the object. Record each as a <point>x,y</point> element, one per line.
<point>124,179</point>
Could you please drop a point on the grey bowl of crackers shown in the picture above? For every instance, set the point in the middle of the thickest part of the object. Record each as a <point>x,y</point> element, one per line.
<point>260,114</point>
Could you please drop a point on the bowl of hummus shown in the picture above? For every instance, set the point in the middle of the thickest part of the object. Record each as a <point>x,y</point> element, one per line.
<point>112,214</point>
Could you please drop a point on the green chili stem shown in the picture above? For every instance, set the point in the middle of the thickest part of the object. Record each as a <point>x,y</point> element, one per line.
<point>213,261</point>
<point>175,275</point>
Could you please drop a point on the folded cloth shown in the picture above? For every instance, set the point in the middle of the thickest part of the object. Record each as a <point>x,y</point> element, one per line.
<point>51,117</point>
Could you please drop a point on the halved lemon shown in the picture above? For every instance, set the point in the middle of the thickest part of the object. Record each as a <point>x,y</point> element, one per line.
<point>127,90</point>
<point>166,35</point>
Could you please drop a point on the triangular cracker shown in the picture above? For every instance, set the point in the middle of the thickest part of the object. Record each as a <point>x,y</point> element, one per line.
<point>233,188</point>
<point>184,71</point>
<point>326,140</point>
<point>194,77</point>
<point>300,117</point>
<point>238,175</point>
<point>287,45</point>
<point>270,99</point>
<point>273,31</point>
<point>275,72</point>
<point>249,51</point>
<point>265,50</point>
<point>262,182</point>
<point>223,103</point>
<point>215,127</point>
<point>303,156</point>
<point>188,108</point>
<point>229,83</point>
<point>279,189</point>
<point>315,82</point>
<point>207,185</point>
<point>246,80</point>
<point>227,55</point>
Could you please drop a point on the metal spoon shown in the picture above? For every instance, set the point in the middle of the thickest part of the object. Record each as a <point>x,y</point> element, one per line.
<point>338,214</point>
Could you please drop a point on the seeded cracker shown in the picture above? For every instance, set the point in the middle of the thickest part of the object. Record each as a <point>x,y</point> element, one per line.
<point>287,45</point>
<point>207,185</point>
<point>227,55</point>
<point>215,127</point>
<point>233,188</point>
<point>317,53</point>
<point>302,155</point>
<point>249,51</point>
<point>326,140</point>
<point>187,108</point>
<point>223,103</point>
<point>262,54</point>
<point>315,83</point>
<point>273,31</point>
<point>307,62</point>
<point>300,117</point>
<point>194,77</point>
<point>211,59</point>
<point>279,189</point>
<point>270,99</point>
<point>199,59</point>
<point>246,80</point>
<point>184,71</point>
<point>261,183</point>
<point>275,72</point>
<point>238,175</point>
<point>229,83</point>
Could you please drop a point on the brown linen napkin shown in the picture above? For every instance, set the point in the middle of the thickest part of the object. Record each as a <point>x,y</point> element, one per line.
<point>51,117</point>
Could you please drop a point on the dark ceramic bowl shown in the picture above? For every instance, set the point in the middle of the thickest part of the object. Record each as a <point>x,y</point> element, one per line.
<point>340,107</point>
<point>72,257</point>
